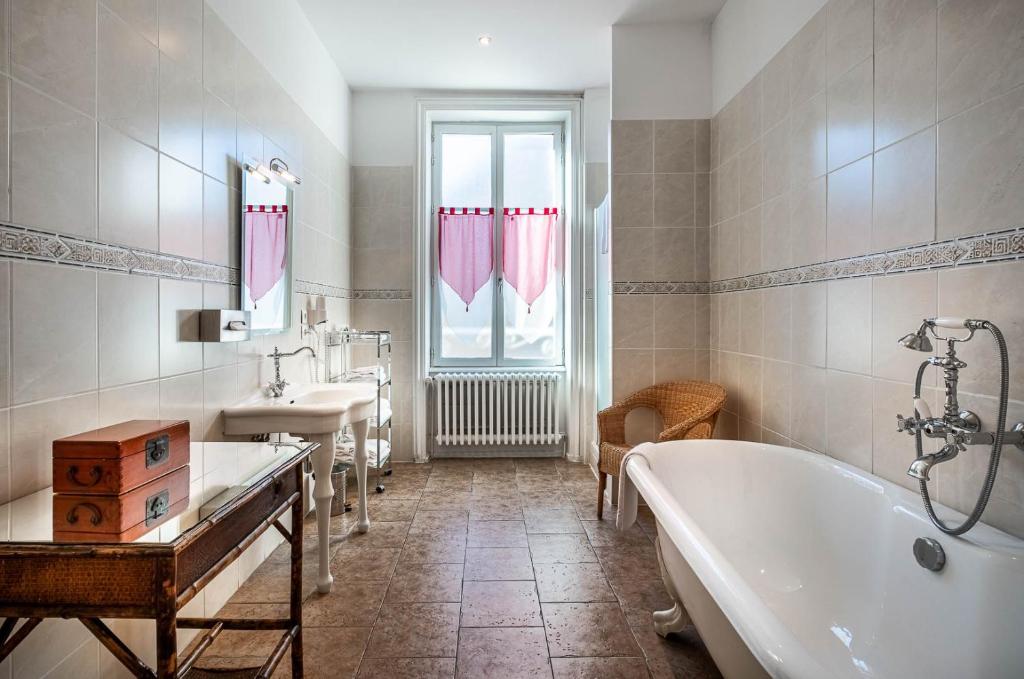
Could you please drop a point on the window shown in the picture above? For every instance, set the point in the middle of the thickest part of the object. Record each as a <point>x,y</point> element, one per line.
<point>498,236</point>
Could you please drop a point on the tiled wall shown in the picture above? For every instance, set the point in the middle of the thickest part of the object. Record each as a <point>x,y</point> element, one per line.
<point>383,267</point>
<point>660,218</point>
<point>881,125</point>
<point>123,122</point>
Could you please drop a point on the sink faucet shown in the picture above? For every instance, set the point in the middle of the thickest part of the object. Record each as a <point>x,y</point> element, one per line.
<point>276,386</point>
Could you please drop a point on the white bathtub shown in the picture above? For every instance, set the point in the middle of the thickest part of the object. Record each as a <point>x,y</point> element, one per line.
<point>794,565</point>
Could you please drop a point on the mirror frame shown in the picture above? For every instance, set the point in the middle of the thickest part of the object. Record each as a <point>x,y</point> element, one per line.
<point>290,236</point>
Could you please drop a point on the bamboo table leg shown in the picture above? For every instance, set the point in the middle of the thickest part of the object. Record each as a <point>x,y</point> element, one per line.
<point>295,613</point>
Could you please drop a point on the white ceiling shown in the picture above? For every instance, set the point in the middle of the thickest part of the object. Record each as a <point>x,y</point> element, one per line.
<point>543,45</point>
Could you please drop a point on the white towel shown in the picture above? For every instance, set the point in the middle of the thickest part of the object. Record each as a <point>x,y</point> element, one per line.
<point>626,515</point>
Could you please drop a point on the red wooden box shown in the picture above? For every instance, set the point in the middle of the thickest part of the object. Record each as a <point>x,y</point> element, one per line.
<point>120,518</point>
<point>117,459</point>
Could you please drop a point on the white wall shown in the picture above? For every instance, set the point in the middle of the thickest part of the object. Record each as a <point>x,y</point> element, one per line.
<point>278,33</point>
<point>596,124</point>
<point>745,35</point>
<point>661,71</point>
<point>384,127</point>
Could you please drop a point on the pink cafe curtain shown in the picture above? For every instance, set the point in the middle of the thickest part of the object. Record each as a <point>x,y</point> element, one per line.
<point>527,245</point>
<point>465,249</point>
<point>266,247</point>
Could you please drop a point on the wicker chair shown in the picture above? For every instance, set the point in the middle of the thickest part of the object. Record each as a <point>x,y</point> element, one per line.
<point>688,410</point>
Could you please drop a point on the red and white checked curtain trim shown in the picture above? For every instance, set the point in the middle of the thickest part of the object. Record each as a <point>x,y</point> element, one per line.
<point>531,210</point>
<point>266,208</point>
<point>465,210</point>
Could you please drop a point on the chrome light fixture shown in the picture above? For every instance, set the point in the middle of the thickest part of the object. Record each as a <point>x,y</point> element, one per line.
<point>259,172</point>
<point>280,167</point>
<point>485,40</point>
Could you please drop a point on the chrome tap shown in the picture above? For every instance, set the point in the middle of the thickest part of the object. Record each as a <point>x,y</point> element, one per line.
<point>958,428</point>
<point>276,386</point>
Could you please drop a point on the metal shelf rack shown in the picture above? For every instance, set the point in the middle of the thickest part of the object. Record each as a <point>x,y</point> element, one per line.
<point>338,369</point>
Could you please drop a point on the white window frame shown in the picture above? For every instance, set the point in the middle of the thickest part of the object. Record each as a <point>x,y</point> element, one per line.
<point>497,131</point>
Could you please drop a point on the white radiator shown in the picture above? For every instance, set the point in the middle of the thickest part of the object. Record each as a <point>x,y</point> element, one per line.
<point>497,409</point>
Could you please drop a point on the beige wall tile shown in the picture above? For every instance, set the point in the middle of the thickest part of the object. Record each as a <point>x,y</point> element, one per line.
<point>219,142</point>
<point>632,200</point>
<point>848,216</point>
<point>980,178</point>
<point>849,418</point>
<point>180,400</point>
<point>807,223</point>
<point>674,146</point>
<point>849,325</point>
<point>807,62</point>
<point>850,115</point>
<point>676,321</point>
<point>904,194</point>
<point>747,405</point>
<point>673,200</point>
<point>220,48</point>
<point>892,451</point>
<point>899,303</point>
<point>807,140</point>
<point>775,90</point>
<point>905,88</point>
<point>979,55</point>
<point>750,242</point>
<point>702,200</point>
<point>33,429</point>
<point>51,304</point>
<point>809,409</point>
<point>673,255</point>
<point>181,113</point>
<point>633,321</point>
<point>129,339</point>
<point>990,292</point>
<point>850,37</point>
<point>127,190</point>
<point>131,402</point>
<point>673,365</point>
<point>728,131</point>
<point>128,74</point>
<point>632,146</point>
<point>633,254</point>
<point>702,145</point>
<point>775,237</point>
<point>777,390</point>
<point>777,323</point>
<point>728,190</point>
<point>181,33</point>
<point>142,15</point>
<point>775,150</point>
<point>181,209</point>
<point>220,390</point>
<point>729,234</point>
<point>53,48</point>
<point>53,165</point>
<point>750,170</point>
<point>702,254</point>
<point>632,369</point>
<point>809,314</point>
<point>221,228</point>
<point>748,113</point>
<point>5,335</point>
<point>751,322</point>
<point>179,301</point>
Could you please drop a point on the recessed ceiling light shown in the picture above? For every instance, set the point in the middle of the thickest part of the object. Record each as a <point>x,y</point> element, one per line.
<point>485,40</point>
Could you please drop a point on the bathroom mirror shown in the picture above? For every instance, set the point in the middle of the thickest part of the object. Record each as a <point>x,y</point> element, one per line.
<point>266,249</point>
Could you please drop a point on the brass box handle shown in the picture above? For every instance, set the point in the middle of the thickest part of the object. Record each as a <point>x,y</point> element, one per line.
<point>158,451</point>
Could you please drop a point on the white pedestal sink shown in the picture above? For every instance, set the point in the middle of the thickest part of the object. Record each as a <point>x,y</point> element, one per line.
<point>314,412</point>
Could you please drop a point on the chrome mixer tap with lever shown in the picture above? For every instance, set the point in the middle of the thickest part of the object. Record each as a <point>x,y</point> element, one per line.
<point>958,428</point>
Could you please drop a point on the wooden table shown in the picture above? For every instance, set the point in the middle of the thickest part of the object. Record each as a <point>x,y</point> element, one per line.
<point>43,579</point>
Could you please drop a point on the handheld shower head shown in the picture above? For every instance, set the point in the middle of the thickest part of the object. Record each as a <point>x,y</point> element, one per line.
<point>918,341</point>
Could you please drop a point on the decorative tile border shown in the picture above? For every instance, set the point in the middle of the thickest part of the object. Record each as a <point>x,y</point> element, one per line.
<point>977,249</point>
<point>305,287</point>
<point>382,294</point>
<point>662,288</point>
<point>18,242</point>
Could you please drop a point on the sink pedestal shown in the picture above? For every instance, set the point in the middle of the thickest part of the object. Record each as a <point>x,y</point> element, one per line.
<point>323,493</point>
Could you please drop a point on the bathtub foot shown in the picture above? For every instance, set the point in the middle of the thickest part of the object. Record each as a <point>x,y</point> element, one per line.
<point>675,619</point>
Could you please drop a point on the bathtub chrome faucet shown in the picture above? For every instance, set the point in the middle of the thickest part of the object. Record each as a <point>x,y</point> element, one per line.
<point>958,428</point>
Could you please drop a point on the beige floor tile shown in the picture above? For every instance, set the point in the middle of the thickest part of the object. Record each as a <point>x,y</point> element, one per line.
<point>599,668</point>
<point>512,603</point>
<point>415,631</point>
<point>572,582</point>
<point>567,548</point>
<point>498,563</point>
<point>348,604</point>
<point>407,668</point>
<point>426,583</point>
<point>551,520</point>
<point>502,653</point>
<point>497,534</point>
<point>434,548</point>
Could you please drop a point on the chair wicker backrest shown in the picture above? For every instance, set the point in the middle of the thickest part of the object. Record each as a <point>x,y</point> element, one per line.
<point>682,406</point>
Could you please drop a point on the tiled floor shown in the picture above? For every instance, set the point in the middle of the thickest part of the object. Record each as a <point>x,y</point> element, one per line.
<point>477,568</point>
